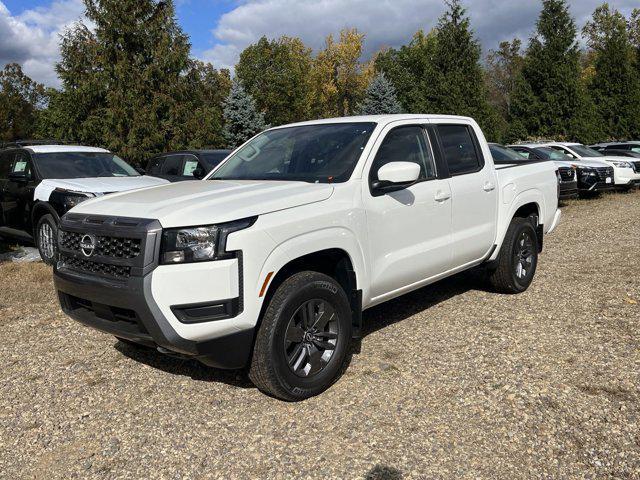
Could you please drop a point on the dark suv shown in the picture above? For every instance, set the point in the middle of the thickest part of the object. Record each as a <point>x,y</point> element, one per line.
<point>185,164</point>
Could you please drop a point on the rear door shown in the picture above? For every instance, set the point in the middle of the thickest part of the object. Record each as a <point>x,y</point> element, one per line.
<point>18,194</point>
<point>6,159</point>
<point>474,192</point>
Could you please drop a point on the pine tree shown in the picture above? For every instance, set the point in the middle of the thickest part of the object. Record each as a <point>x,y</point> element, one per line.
<point>242,118</point>
<point>614,85</point>
<point>380,98</point>
<point>21,103</point>
<point>550,100</point>
<point>277,74</point>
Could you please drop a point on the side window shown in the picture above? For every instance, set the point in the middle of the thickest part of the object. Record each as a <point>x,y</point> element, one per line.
<point>190,164</point>
<point>459,149</point>
<point>405,144</point>
<point>154,165</point>
<point>172,165</point>
<point>21,164</point>
<point>635,149</point>
<point>5,164</point>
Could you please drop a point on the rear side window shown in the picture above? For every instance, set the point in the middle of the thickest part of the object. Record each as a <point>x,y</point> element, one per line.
<point>405,144</point>
<point>154,165</point>
<point>5,164</point>
<point>172,165</point>
<point>459,149</point>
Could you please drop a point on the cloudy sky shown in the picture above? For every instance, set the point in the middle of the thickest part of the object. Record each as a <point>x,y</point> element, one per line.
<point>220,29</point>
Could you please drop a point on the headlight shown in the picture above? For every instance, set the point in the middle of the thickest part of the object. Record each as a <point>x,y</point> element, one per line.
<point>199,244</point>
<point>620,164</point>
<point>69,198</point>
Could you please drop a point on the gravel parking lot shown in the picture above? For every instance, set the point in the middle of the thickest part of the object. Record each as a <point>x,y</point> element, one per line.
<point>452,381</point>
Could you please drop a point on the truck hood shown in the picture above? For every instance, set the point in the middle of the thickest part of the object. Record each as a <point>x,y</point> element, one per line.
<point>207,201</point>
<point>590,162</point>
<point>96,185</point>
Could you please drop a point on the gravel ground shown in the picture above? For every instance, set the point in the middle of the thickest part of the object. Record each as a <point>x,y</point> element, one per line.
<point>452,381</point>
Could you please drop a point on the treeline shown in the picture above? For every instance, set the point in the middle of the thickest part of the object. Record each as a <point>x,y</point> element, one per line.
<point>131,85</point>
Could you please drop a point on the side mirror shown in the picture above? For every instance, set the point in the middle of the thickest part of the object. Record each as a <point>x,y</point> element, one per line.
<point>18,177</point>
<point>396,175</point>
<point>199,173</point>
<point>140,170</point>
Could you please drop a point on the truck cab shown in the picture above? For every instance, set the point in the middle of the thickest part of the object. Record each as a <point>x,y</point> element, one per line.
<point>268,262</point>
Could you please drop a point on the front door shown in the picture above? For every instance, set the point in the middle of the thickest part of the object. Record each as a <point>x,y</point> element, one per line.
<point>18,194</point>
<point>409,230</point>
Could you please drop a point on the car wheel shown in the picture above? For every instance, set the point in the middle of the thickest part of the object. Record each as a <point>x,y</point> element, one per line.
<point>303,339</point>
<point>46,238</point>
<point>518,258</point>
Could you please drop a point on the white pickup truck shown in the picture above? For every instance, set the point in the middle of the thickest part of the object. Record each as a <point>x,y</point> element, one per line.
<point>270,260</point>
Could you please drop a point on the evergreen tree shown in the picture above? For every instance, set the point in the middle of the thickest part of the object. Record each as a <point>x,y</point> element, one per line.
<point>21,102</point>
<point>277,74</point>
<point>129,84</point>
<point>551,100</point>
<point>242,118</point>
<point>614,86</point>
<point>504,67</point>
<point>380,98</point>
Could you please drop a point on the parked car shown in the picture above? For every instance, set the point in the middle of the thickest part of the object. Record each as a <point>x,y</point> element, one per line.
<point>185,164</point>
<point>39,183</point>
<point>568,171</point>
<point>271,265</point>
<point>616,146</point>
<point>624,174</point>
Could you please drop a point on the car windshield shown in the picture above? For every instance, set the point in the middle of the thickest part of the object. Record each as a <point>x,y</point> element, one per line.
<point>585,151</point>
<point>214,158</point>
<point>504,154</point>
<point>551,154</point>
<point>324,153</point>
<point>61,165</point>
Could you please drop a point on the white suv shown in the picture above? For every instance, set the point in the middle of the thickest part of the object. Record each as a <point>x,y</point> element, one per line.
<point>625,175</point>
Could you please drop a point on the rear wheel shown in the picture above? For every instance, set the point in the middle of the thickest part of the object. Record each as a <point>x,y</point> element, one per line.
<point>46,237</point>
<point>518,258</point>
<point>303,339</point>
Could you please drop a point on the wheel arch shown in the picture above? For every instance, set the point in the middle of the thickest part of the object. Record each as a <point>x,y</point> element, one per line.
<point>39,210</point>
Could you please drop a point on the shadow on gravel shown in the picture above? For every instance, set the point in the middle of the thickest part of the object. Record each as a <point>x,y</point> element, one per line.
<point>383,472</point>
<point>406,306</point>
<point>188,368</point>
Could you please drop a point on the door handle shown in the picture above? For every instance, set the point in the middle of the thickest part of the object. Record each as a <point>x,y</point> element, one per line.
<point>488,186</point>
<point>441,196</point>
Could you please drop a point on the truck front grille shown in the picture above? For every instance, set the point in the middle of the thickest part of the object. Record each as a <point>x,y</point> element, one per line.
<point>87,266</point>
<point>636,166</point>
<point>114,247</point>
<point>566,174</point>
<point>604,172</point>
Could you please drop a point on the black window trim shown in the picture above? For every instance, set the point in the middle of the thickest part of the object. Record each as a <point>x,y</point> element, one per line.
<point>423,127</point>
<point>474,141</point>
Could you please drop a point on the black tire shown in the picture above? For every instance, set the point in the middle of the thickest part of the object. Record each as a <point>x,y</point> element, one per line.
<point>47,231</point>
<point>283,339</point>
<point>508,277</point>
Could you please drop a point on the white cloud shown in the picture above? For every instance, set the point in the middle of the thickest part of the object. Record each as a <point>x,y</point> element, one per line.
<point>32,37</point>
<point>386,23</point>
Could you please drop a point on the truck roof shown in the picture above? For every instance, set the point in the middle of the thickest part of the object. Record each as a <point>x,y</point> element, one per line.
<point>64,149</point>
<point>377,119</point>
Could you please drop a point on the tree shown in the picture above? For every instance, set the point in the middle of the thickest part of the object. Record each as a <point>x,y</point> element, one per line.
<point>550,100</point>
<point>277,73</point>
<point>504,67</point>
<point>129,84</point>
<point>242,118</point>
<point>339,78</point>
<point>21,101</point>
<point>614,84</point>
<point>380,98</point>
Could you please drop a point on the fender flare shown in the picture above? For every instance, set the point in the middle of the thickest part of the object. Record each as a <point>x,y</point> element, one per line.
<point>534,196</point>
<point>45,208</point>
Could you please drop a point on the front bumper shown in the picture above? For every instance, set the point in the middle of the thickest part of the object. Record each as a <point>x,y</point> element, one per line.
<point>568,190</point>
<point>191,310</point>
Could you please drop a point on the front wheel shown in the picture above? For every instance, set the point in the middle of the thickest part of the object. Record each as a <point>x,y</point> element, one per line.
<point>303,339</point>
<point>518,258</point>
<point>46,238</point>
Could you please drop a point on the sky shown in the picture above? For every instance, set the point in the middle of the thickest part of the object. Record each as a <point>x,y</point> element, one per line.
<point>220,29</point>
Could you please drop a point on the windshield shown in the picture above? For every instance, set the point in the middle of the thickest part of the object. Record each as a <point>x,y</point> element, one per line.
<point>325,153</point>
<point>504,154</point>
<point>551,154</point>
<point>214,158</point>
<point>585,151</point>
<point>82,165</point>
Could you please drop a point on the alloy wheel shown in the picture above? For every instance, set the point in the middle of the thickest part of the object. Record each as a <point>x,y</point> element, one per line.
<point>524,255</point>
